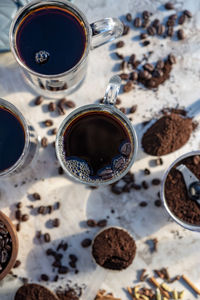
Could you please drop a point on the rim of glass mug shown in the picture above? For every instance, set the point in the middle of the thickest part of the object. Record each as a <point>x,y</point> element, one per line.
<point>99,107</point>
<point>17,113</point>
<point>174,217</point>
<point>33,5</point>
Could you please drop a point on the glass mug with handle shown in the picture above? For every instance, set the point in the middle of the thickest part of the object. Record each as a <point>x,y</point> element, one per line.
<point>51,41</point>
<point>96,144</point>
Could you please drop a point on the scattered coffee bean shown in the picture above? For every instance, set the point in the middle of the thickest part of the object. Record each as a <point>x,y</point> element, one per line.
<point>44,277</point>
<point>188,13</point>
<point>156,181</point>
<point>86,243</point>
<point>72,264</point>
<point>56,222</point>
<point>170,31</point>
<point>91,223</point>
<point>156,23</point>
<point>182,19</point>
<point>171,59</point>
<point>120,44</point>
<point>180,34</point>
<point>70,104</point>
<point>36,196</point>
<point>145,23</point>
<point>52,106</point>
<point>19,205</point>
<point>137,22</point>
<point>63,270</point>
<point>116,189</point>
<point>145,75</point>
<point>44,142</point>
<point>129,17</point>
<point>49,209</point>
<point>60,106</point>
<point>147,171</point>
<point>151,30</point>
<point>47,237</point>
<point>126,29</point>
<point>173,17</point>
<point>196,159</point>
<point>41,210</point>
<point>120,56</point>
<point>48,123</point>
<point>160,29</point>
<point>148,67</point>
<point>128,86</point>
<point>170,22</point>
<point>158,73</point>
<point>102,223</point>
<point>145,185</point>
<point>118,101</point>
<point>17,264</point>
<point>146,15</point>
<point>143,36</point>
<point>158,203</point>
<point>124,76</point>
<point>56,278</point>
<point>18,215</point>
<point>25,218</point>
<point>169,5</point>
<point>57,205</point>
<point>135,64</point>
<point>54,131</point>
<point>60,170</point>
<point>133,109</point>
<point>61,111</point>
<point>122,65</point>
<point>136,187</point>
<point>18,227</point>
<point>143,204</point>
<point>160,64</point>
<point>159,161</point>
<point>146,43</point>
<point>39,100</point>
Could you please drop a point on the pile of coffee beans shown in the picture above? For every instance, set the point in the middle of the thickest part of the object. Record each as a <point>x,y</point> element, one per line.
<point>5,247</point>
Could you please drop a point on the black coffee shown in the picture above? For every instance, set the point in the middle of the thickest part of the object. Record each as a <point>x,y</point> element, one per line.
<point>12,139</point>
<point>51,40</point>
<point>97,146</point>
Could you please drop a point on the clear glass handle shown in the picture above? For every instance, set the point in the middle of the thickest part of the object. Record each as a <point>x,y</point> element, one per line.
<point>112,90</point>
<point>105,30</point>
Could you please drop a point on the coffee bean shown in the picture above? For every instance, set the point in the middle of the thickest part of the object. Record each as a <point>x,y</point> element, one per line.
<point>126,29</point>
<point>91,223</point>
<point>73,257</point>
<point>102,223</point>
<point>160,64</point>
<point>180,34</point>
<point>182,19</point>
<point>170,22</point>
<point>52,106</point>
<point>120,44</point>
<point>196,159</point>
<point>145,23</point>
<point>17,264</point>
<point>50,252</point>
<point>158,203</point>
<point>56,264</point>
<point>86,243</point>
<point>173,17</point>
<point>120,56</point>
<point>19,205</point>
<point>129,177</point>
<point>188,13</point>
<point>25,217</point>
<point>170,31</point>
<point>116,190</point>
<point>70,104</point>
<point>146,14</point>
<point>47,237</point>
<point>129,17</point>
<point>133,109</point>
<point>54,131</point>
<point>137,22</point>
<point>169,5</point>
<point>147,172</point>
<point>148,67</point>
<point>156,23</point>
<point>143,204</point>
<point>39,100</point>
<point>118,101</point>
<point>135,64</point>
<point>41,210</point>
<point>44,277</point>
<point>160,29</point>
<point>18,227</point>
<point>38,234</point>
<point>57,205</point>
<point>158,73</point>
<point>18,215</point>
<point>48,123</point>
<point>171,59</point>
<point>156,181</point>
<point>145,75</point>
<point>72,264</point>
<point>143,36</point>
<point>107,172</point>
<point>60,106</point>
<point>36,196</point>
<point>128,86</point>
<point>124,76</point>
<point>60,170</point>
<point>63,270</point>
<point>125,149</point>
<point>151,30</point>
<point>44,142</point>
<point>159,161</point>
<point>146,43</point>
<point>145,185</point>
<point>122,65</point>
<point>56,222</point>
<point>61,111</point>
<point>133,76</point>
<point>49,209</point>
<point>56,278</point>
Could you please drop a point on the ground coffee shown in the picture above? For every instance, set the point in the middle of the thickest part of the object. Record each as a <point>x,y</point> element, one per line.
<point>34,292</point>
<point>176,193</point>
<point>167,134</point>
<point>5,246</point>
<point>114,249</point>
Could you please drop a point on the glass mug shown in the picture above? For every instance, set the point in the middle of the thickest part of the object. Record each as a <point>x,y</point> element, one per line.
<point>96,144</point>
<point>67,80</point>
<point>16,133</point>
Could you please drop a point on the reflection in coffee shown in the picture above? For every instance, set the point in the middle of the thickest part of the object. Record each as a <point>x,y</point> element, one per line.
<point>97,146</point>
<point>51,40</point>
<point>12,139</point>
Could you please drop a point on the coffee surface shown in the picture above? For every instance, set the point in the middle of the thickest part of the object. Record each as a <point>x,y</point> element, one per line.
<point>176,192</point>
<point>34,292</point>
<point>12,139</point>
<point>167,134</point>
<point>55,31</point>
<point>114,249</point>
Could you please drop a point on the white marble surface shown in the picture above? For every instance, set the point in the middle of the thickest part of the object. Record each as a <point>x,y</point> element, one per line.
<point>178,249</point>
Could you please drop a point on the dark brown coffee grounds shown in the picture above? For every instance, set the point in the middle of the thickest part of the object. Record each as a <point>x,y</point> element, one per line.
<point>167,134</point>
<point>34,292</point>
<point>114,249</point>
<point>5,246</point>
<point>176,193</point>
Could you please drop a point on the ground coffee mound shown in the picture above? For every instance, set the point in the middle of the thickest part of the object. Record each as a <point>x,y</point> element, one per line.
<point>167,134</point>
<point>114,249</point>
<point>34,292</point>
<point>176,193</point>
